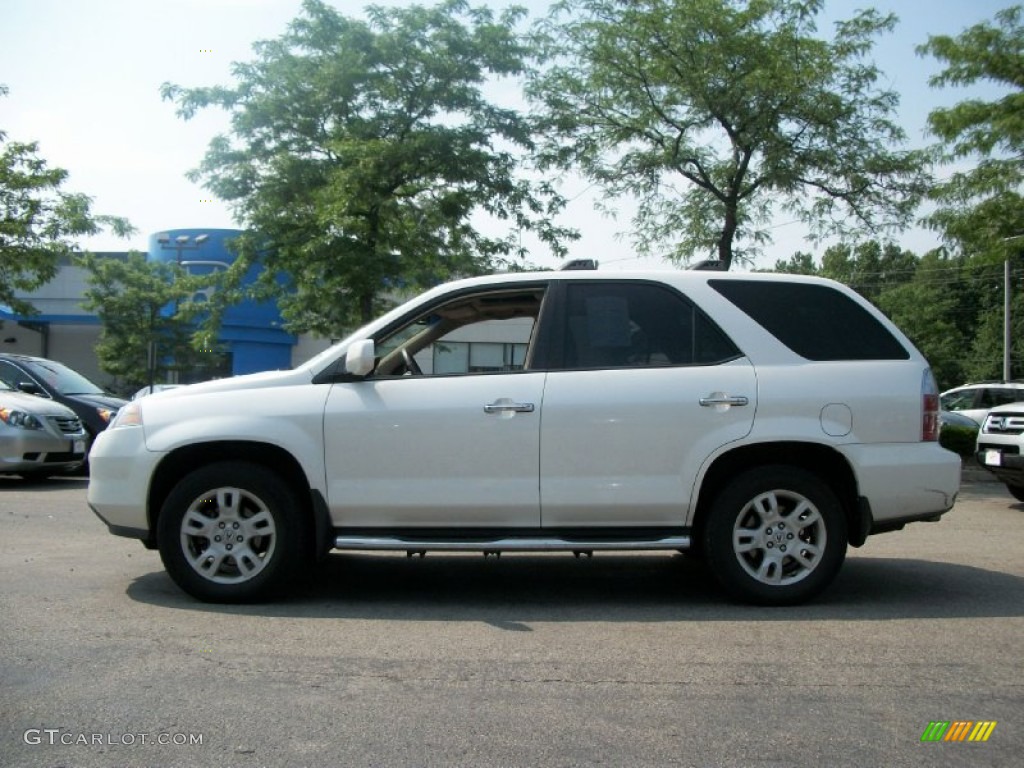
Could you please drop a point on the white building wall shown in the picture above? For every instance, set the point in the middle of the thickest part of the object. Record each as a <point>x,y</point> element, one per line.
<point>75,346</point>
<point>17,339</point>
<point>62,295</point>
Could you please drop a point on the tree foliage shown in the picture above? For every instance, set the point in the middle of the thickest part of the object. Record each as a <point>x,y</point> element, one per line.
<point>146,312</point>
<point>39,222</point>
<point>715,115</point>
<point>363,155</point>
<point>981,204</point>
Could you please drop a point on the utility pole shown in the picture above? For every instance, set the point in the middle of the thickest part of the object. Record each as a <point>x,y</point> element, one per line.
<point>1006,320</point>
<point>1007,337</point>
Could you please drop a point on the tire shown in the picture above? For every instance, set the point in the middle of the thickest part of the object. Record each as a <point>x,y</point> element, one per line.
<point>232,532</point>
<point>36,476</point>
<point>1017,491</point>
<point>753,526</point>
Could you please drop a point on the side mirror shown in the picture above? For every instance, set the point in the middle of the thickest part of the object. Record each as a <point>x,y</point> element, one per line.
<point>30,388</point>
<point>360,358</point>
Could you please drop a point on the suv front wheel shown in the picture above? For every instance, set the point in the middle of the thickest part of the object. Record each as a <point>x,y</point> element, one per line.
<point>231,532</point>
<point>776,535</point>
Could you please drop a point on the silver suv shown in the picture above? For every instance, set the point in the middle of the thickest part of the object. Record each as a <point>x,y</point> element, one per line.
<point>999,446</point>
<point>762,421</point>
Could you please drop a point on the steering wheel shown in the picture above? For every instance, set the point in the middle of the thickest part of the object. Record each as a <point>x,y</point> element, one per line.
<point>410,363</point>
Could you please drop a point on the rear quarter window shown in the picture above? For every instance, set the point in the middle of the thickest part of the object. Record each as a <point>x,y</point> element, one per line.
<point>817,322</point>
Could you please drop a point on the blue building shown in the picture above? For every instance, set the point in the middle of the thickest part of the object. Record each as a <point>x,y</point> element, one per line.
<point>251,337</point>
<point>251,333</point>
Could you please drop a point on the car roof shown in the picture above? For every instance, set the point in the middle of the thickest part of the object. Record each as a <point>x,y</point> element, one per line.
<point>26,358</point>
<point>980,384</point>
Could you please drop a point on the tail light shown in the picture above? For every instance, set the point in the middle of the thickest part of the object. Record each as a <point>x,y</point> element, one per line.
<point>929,407</point>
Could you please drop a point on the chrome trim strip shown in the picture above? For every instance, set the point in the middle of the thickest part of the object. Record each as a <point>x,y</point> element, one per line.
<point>385,543</point>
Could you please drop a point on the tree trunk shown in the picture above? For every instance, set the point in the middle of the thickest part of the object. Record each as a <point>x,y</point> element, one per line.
<point>728,233</point>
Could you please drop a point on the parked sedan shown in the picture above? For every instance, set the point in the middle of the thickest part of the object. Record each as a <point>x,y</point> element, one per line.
<point>38,437</point>
<point>47,378</point>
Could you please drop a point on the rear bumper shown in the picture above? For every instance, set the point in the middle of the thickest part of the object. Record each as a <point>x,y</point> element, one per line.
<point>904,482</point>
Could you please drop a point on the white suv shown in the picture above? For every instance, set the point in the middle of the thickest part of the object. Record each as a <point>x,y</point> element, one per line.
<point>1000,441</point>
<point>764,421</point>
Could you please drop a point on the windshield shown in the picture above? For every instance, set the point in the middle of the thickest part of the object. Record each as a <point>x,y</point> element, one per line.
<point>61,378</point>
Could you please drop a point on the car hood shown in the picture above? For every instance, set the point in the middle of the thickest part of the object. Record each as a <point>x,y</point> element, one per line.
<point>99,401</point>
<point>37,406</point>
<point>261,380</point>
<point>1009,408</point>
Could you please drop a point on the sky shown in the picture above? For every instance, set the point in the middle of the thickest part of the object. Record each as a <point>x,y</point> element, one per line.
<point>84,79</point>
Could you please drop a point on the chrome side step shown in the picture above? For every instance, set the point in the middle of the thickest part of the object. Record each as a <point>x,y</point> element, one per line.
<point>508,544</point>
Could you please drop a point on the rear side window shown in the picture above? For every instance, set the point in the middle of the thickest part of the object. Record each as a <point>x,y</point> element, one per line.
<point>630,325</point>
<point>991,397</point>
<point>815,321</point>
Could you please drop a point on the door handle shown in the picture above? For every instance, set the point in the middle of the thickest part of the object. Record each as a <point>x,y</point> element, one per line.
<point>718,398</point>
<point>505,406</point>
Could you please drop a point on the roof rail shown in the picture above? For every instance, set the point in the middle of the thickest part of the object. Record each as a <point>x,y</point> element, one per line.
<point>711,265</point>
<point>578,264</point>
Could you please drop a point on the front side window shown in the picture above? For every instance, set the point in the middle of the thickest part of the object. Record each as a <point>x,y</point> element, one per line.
<point>488,332</point>
<point>626,325</point>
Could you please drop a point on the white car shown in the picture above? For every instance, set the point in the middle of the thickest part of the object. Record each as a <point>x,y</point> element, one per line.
<point>38,437</point>
<point>976,400</point>
<point>765,421</point>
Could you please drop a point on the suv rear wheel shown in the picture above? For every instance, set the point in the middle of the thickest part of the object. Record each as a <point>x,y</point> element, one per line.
<point>775,536</point>
<point>231,532</point>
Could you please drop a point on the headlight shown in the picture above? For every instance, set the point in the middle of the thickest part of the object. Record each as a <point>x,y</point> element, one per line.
<point>129,416</point>
<point>19,419</point>
<point>106,413</point>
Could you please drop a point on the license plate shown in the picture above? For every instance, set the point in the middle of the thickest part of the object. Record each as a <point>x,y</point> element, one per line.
<point>994,458</point>
<point>78,446</point>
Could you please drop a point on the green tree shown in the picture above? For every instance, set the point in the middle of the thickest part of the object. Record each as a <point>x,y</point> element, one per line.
<point>715,115</point>
<point>800,263</point>
<point>980,205</point>
<point>984,358</point>
<point>924,300</point>
<point>39,222</point>
<point>363,155</point>
<point>870,267</point>
<point>147,317</point>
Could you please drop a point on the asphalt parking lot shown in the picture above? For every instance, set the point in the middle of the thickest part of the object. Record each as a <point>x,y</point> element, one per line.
<point>457,660</point>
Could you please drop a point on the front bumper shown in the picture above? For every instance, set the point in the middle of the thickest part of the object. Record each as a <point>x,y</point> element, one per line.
<point>1003,461</point>
<point>24,450</point>
<point>120,467</point>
